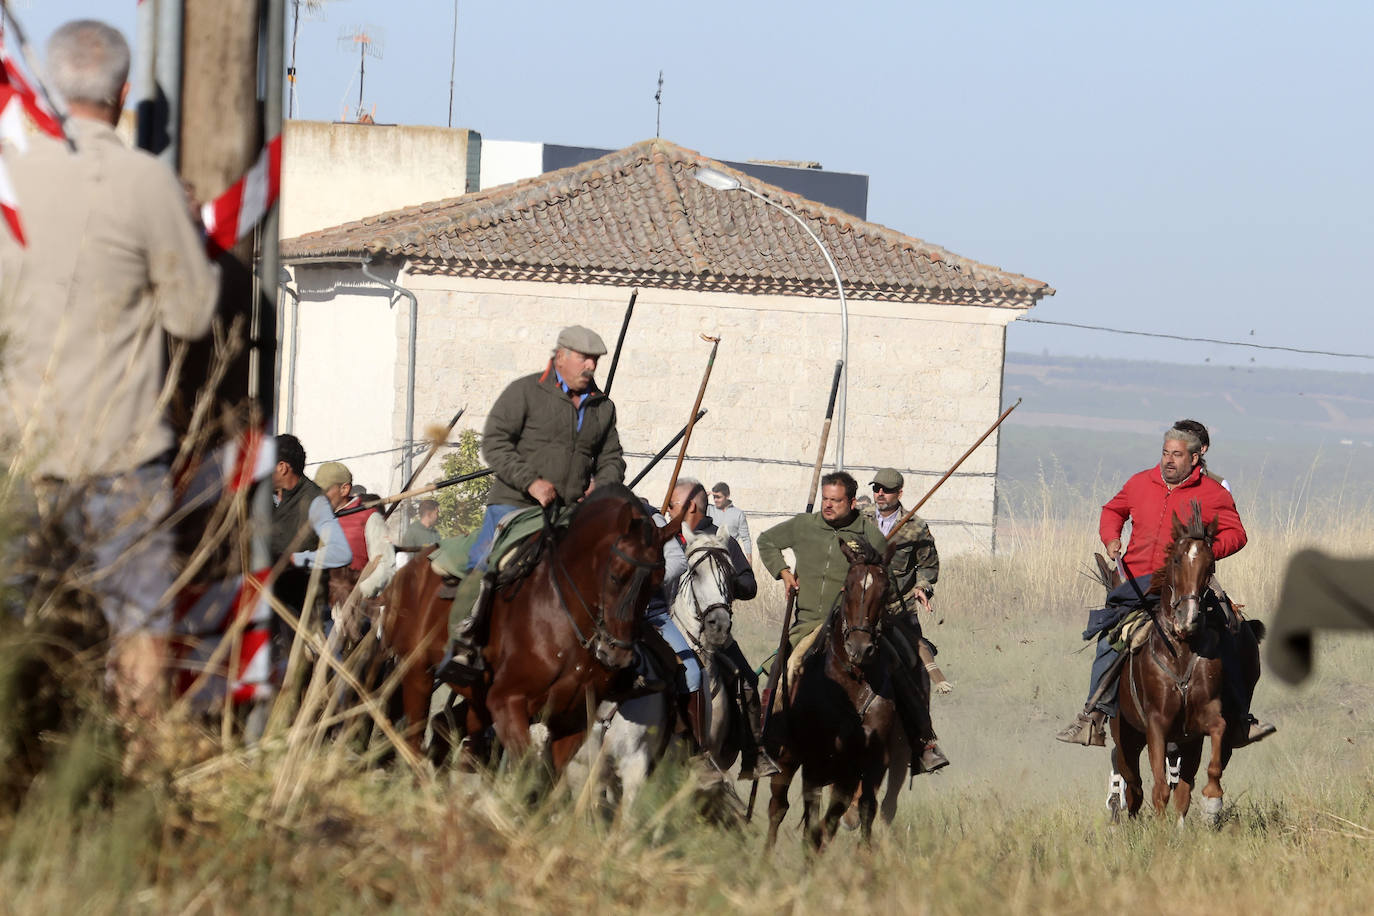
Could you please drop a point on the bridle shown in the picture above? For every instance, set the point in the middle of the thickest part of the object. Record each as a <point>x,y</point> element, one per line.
<point>622,612</point>
<point>874,630</point>
<point>722,569</point>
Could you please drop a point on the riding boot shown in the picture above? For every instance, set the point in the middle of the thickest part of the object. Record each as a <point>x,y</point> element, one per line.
<point>463,663</point>
<point>754,760</point>
<point>696,720</point>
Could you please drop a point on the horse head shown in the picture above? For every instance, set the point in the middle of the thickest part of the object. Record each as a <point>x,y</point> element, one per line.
<point>703,600</point>
<point>862,601</point>
<point>1189,565</point>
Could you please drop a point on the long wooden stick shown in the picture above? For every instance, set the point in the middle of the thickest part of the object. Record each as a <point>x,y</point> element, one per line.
<point>691,421</point>
<point>434,447</point>
<point>418,491</point>
<point>653,462</point>
<point>911,513</point>
<point>620,342</point>
<point>825,438</point>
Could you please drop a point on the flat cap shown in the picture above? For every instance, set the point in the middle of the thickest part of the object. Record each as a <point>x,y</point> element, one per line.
<point>583,340</point>
<point>888,479</point>
<point>332,473</point>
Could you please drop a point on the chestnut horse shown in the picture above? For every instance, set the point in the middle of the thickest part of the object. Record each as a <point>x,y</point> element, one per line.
<point>1171,689</point>
<point>558,635</point>
<point>837,720</point>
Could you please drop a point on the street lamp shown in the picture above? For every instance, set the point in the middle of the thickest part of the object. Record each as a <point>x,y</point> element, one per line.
<point>719,181</point>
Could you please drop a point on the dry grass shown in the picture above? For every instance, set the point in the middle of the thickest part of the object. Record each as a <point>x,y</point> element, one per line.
<point>1016,825</point>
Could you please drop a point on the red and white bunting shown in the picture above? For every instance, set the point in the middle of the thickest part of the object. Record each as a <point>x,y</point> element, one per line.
<point>17,98</point>
<point>40,114</point>
<point>232,215</point>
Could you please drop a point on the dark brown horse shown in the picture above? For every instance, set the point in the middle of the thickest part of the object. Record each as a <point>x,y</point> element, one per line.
<point>838,717</point>
<point>1171,689</point>
<point>558,635</point>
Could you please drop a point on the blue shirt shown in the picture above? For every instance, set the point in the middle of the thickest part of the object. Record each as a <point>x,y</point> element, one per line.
<point>581,408</point>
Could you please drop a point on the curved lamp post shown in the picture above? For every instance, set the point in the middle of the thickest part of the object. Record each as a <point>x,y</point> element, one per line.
<point>719,181</point>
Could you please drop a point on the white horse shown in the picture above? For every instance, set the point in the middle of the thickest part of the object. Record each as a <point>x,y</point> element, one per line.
<point>627,739</point>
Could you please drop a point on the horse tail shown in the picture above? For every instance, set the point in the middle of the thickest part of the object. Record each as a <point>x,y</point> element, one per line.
<point>1257,629</point>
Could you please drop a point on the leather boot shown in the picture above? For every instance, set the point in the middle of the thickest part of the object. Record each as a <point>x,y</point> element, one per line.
<point>932,758</point>
<point>1089,729</point>
<point>463,663</point>
<point>696,720</point>
<point>754,760</point>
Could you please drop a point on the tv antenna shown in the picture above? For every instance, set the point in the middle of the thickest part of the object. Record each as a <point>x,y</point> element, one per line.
<point>314,11</point>
<point>366,41</point>
<point>658,100</point>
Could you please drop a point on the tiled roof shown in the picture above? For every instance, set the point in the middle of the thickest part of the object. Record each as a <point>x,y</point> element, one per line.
<point>638,217</point>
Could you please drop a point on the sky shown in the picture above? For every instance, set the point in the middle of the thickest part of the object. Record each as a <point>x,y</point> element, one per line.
<point>1199,169</point>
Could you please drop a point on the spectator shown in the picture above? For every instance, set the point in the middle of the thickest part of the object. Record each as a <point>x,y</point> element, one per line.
<point>727,515</point>
<point>424,530</point>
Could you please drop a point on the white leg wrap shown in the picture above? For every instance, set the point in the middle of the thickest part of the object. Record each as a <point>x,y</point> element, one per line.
<point>1173,765</point>
<point>1116,792</point>
<point>1211,809</point>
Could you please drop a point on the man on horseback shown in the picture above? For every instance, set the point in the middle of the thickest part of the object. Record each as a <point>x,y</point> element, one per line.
<point>912,573</point>
<point>551,438</point>
<point>756,764</point>
<point>1150,500</point>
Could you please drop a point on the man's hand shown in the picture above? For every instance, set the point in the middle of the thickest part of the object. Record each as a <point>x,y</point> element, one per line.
<point>542,491</point>
<point>790,581</point>
<point>922,599</point>
<point>590,487</point>
<point>1114,549</point>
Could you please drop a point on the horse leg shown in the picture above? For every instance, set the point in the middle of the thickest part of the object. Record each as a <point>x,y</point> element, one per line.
<point>840,797</point>
<point>868,797</point>
<point>1159,791</point>
<point>777,803</point>
<point>1190,756</point>
<point>1211,793</point>
<point>898,765</point>
<point>811,808</point>
<point>1126,756</point>
<point>415,694</point>
<point>510,718</point>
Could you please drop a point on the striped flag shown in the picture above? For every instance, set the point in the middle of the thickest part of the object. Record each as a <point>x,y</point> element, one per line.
<point>233,214</point>
<point>18,99</point>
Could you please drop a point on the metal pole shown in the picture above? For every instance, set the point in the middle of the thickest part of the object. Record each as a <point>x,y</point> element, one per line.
<point>291,72</point>
<point>452,63</point>
<point>844,317</point>
<point>145,77</point>
<point>410,373</point>
<point>269,264</point>
<point>620,342</point>
<point>168,71</point>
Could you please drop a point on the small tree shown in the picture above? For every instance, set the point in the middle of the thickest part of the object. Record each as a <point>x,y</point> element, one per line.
<point>461,506</point>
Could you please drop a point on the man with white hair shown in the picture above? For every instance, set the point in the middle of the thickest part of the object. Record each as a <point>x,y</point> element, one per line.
<point>112,264</point>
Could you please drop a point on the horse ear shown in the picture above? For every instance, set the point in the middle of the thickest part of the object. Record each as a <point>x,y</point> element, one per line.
<point>849,553</point>
<point>1179,527</point>
<point>674,526</point>
<point>1213,527</point>
<point>890,553</point>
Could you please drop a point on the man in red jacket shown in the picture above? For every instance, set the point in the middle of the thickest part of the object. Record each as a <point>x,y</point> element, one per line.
<point>1150,500</point>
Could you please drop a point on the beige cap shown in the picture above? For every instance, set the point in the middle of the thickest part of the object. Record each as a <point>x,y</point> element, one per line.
<point>583,340</point>
<point>889,479</point>
<point>332,473</point>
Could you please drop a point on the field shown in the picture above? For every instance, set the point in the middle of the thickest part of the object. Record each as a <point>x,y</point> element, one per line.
<point>1017,824</point>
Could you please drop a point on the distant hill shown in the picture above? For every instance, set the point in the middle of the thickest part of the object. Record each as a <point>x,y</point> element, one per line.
<point>1086,423</point>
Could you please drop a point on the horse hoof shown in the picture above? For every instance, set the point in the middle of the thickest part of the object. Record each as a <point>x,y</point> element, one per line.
<point>1211,811</point>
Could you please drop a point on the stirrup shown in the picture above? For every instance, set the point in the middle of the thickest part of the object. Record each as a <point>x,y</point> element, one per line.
<point>462,665</point>
<point>764,767</point>
<point>933,759</point>
<point>1089,730</point>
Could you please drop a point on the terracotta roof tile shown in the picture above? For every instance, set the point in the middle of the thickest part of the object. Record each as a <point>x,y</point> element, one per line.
<point>638,216</point>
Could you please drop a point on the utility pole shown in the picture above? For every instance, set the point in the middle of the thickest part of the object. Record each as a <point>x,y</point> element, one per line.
<point>452,63</point>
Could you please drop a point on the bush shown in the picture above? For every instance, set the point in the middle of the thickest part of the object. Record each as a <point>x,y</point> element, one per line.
<point>461,506</point>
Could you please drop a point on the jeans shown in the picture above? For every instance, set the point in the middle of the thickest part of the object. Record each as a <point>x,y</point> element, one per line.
<point>663,622</point>
<point>477,556</point>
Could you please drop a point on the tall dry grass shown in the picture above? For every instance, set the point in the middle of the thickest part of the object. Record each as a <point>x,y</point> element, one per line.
<point>307,823</point>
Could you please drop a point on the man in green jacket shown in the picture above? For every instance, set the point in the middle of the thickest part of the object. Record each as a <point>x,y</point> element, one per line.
<point>815,542</point>
<point>551,438</point>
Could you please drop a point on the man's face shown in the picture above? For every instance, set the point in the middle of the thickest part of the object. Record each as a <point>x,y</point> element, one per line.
<point>429,518</point>
<point>835,502</point>
<point>886,500</point>
<point>280,475</point>
<point>338,494</point>
<point>719,499</point>
<point>576,368</point>
<point>693,516</point>
<point>1177,462</point>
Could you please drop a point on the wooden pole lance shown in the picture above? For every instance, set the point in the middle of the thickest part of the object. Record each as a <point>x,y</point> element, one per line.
<point>691,421</point>
<point>418,491</point>
<point>653,462</point>
<point>620,342</point>
<point>434,447</point>
<point>776,672</point>
<point>931,492</point>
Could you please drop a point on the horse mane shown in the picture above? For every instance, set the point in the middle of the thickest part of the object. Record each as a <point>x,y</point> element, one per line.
<point>1194,530</point>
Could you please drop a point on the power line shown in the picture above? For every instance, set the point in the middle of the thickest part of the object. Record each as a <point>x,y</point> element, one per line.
<point>1210,340</point>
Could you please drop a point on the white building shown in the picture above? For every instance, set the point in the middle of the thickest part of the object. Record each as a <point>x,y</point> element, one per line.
<point>496,274</point>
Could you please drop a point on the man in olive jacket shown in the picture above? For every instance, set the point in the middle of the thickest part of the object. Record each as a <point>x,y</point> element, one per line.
<point>551,438</point>
<point>815,542</point>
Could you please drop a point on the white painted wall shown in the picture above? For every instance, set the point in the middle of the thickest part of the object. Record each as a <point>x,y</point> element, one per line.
<point>504,161</point>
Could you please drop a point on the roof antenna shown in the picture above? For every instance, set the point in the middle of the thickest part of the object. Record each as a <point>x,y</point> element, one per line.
<point>452,63</point>
<point>368,40</point>
<point>658,98</point>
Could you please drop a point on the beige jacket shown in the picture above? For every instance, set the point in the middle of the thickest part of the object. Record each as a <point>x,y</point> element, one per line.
<point>113,261</point>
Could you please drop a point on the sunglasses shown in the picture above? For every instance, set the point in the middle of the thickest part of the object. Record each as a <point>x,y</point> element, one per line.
<point>879,488</point>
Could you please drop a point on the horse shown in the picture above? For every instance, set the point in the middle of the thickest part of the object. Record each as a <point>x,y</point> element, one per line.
<point>559,635</point>
<point>630,737</point>
<point>839,717</point>
<point>1171,689</point>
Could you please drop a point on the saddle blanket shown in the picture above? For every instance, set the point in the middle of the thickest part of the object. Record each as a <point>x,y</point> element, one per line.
<point>451,558</point>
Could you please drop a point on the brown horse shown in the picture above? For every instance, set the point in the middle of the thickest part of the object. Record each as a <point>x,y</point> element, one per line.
<point>1171,690</point>
<point>559,635</point>
<point>839,717</point>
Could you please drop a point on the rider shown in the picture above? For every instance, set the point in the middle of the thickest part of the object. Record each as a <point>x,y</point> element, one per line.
<point>912,572</point>
<point>551,438</point>
<point>755,762</point>
<point>1150,499</point>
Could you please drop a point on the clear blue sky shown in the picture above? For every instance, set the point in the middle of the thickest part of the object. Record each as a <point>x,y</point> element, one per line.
<point>1194,168</point>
